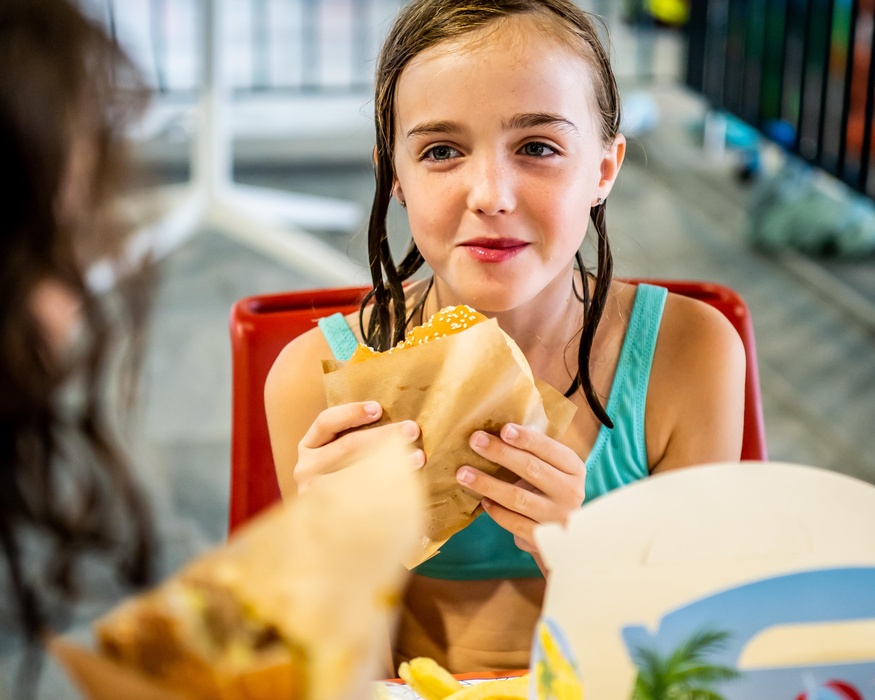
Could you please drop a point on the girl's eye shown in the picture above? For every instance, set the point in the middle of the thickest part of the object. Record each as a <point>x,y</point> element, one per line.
<point>538,150</point>
<point>441,153</point>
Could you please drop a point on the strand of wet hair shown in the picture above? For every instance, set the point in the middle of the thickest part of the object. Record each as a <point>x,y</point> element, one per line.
<point>385,329</point>
<point>592,313</point>
<point>378,333</point>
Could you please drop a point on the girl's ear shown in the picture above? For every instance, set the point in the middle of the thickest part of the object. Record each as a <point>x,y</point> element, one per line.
<point>610,165</point>
<point>397,192</point>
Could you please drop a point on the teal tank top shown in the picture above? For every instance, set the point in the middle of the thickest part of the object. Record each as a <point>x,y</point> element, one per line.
<point>484,550</point>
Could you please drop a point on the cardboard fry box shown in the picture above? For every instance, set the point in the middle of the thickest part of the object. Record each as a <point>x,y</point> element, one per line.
<point>297,605</point>
<point>769,568</point>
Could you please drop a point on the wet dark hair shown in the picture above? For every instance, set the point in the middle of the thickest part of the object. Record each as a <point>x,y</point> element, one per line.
<point>66,92</point>
<point>420,26</point>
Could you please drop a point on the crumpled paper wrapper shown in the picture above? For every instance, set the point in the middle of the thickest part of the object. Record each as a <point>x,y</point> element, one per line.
<point>451,387</point>
<point>324,568</point>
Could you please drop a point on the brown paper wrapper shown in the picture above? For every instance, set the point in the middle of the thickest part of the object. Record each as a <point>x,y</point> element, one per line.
<point>452,387</point>
<point>324,569</point>
<point>103,679</point>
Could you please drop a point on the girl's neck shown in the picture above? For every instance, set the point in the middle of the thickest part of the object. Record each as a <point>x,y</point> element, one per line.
<point>541,327</point>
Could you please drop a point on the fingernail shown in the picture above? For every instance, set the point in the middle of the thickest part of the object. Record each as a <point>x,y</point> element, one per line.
<point>372,408</point>
<point>418,459</point>
<point>486,503</point>
<point>479,439</point>
<point>410,429</point>
<point>464,475</point>
<point>511,431</point>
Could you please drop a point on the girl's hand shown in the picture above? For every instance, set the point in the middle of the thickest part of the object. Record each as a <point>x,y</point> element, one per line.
<point>328,446</point>
<point>550,489</point>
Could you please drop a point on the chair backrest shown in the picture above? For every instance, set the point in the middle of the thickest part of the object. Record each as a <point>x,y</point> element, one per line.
<point>262,325</point>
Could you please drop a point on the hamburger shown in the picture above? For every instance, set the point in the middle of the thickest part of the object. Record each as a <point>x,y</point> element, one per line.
<point>447,321</point>
<point>455,374</point>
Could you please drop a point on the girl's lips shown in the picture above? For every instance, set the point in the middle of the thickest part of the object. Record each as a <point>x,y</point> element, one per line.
<point>494,250</point>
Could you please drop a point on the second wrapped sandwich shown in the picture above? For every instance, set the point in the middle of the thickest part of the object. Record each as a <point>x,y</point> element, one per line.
<point>298,605</point>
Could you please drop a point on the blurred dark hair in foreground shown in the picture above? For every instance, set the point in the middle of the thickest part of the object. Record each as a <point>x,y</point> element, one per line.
<point>67,95</point>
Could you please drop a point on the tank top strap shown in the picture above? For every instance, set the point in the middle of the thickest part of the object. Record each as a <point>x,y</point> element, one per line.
<point>339,335</point>
<point>639,346</point>
<point>620,455</point>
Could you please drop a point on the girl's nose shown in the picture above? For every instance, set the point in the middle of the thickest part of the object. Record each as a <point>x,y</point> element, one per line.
<point>491,190</point>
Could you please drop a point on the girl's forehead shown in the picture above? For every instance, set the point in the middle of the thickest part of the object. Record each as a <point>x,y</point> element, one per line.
<point>514,36</point>
<point>513,54</point>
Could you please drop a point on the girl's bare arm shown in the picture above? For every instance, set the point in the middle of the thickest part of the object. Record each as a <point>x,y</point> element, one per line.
<point>695,401</point>
<point>307,437</point>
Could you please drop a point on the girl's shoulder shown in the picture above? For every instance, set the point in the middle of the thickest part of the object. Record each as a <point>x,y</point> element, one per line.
<point>312,346</point>
<point>696,325</point>
<point>697,385</point>
<point>696,339</point>
<point>684,319</point>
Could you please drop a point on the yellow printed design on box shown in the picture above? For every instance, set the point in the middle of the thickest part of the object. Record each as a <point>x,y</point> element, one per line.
<point>553,665</point>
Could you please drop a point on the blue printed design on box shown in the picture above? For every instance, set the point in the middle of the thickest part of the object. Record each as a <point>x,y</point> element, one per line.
<point>810,597</point>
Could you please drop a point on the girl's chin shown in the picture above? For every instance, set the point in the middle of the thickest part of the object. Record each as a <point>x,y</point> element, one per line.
<point>497,288</point>
<point>483,298</point>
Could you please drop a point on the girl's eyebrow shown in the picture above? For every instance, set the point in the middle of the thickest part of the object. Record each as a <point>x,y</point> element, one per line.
<point>533,119</point>
<point>436,127</point>
<point>518,121</point>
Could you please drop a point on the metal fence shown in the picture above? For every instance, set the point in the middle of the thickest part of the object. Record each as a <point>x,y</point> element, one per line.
<point>800,71</point>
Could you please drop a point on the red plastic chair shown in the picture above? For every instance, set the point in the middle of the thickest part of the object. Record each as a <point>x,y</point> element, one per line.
<point>262,325</point>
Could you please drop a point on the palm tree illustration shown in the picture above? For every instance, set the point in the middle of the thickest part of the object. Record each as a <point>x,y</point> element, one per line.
<point>683,674</point>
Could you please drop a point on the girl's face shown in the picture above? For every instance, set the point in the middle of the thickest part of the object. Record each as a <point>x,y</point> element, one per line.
<point>57,309</point>
<point>499,157</point>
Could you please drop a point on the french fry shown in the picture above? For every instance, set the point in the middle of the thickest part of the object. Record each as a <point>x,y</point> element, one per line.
<point>500,689</point>
<point>428,678</point>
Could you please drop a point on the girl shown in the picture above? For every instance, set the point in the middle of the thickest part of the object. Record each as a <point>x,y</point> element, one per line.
<point>497,131</point>
<point>66,95</point>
